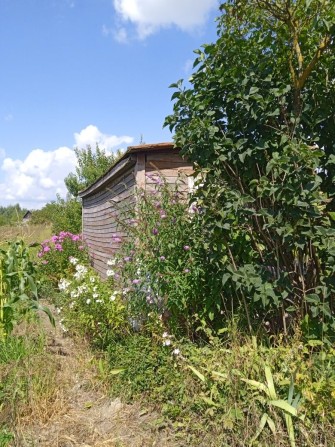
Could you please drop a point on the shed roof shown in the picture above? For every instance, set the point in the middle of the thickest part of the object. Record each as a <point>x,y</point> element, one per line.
<point>124,162</point>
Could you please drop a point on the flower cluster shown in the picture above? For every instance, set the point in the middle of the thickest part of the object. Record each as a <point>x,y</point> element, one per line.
<point>88,304</point>
<point>60,251</point>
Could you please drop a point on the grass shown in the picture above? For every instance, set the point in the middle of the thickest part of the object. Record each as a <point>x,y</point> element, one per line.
<point>29,233</point>
<point>27,379</point>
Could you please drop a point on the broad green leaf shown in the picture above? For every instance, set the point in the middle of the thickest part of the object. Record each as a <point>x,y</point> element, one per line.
<point>197,373</point>
<point>284,405</point>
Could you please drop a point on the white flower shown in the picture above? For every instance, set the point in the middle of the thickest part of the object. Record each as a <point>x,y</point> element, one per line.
<point>58,310</point>
<point>165,335</point>
<point>73,260</point>
<point>82,289</point>
<point>63,284</point>
<point>99,301</point>
<point>81,270</point>
<point>71,305</point>
<point>88,301</point>
<point>95,295</point>
<point>110,272</point>
<point>166,342</point>
<point>176,351</point>
<point>112,298</point>
<point>92,279</point>
<point>74,294</point>
<point>111,262</point>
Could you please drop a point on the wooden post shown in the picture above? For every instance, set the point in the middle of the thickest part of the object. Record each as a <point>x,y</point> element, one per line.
<point>140,171</point>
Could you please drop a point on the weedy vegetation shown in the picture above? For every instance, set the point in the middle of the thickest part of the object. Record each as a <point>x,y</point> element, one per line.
<point>218,311</point>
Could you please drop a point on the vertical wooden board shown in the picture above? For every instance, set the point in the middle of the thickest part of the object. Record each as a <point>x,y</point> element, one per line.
<point>140,171</point>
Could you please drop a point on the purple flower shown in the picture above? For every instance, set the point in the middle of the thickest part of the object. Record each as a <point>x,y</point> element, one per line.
<point>158,204</point>
<point>136,281</point>
<point>187,271</point>
<point>116,239</point>
<point>155,231</point>
<point>54,238</point>
<point>127,259</point>
<point>58,247</point>
<point>162,258</point>
<point>162,214</point>
<point>187,247</point>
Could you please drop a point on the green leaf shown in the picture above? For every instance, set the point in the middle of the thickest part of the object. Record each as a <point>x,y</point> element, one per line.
<point>284,405</point>
<point>197,373</point>
<point>114,372</point>
<point>269,379</point>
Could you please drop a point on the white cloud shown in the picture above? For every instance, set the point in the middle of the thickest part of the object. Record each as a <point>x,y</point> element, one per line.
<point>150,15</point>
<point>37,179</point>
<point>92,135</point>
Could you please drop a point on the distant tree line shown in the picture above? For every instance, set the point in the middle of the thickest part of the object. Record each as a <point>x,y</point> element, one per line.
<point>11,214</point>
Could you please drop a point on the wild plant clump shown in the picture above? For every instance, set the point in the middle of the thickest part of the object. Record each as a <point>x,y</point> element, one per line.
<point>55,253</point>
<point>90,306</point>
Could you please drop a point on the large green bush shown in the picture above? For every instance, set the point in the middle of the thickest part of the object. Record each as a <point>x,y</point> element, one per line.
<point>258,123</point>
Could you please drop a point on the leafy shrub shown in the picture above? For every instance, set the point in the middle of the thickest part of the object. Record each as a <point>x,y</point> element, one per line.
<point>61,214</point>
<point>260,132</point>
<point>90,306</point>
<point>159,266</point>
<point>55,253</point>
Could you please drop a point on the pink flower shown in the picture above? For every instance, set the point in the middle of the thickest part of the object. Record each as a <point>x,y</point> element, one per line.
<point>187,247</point>
<point>58,247</point>
<point>46,248</point>
<point>80,247</point>
<point>75,237</point>
<point>45,262</point>
<point>136,281</point>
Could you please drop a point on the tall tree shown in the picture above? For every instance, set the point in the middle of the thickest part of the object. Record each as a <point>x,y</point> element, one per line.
<point>90,166</point>
<point>258,122</point>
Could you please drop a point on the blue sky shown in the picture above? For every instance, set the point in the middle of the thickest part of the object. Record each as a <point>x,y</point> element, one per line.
<point>77,72</point>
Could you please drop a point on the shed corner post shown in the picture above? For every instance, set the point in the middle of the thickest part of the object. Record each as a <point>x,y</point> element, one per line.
<point>140,171</point>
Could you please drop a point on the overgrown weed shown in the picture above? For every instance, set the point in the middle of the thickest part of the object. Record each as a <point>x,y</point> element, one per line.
<point>204,392</point>
<point>28,385</point>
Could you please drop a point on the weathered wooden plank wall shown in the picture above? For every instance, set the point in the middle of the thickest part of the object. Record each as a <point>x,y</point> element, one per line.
<point>101,212</point>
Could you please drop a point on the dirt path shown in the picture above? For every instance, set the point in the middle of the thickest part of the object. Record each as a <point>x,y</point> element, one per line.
<point>81,413</point>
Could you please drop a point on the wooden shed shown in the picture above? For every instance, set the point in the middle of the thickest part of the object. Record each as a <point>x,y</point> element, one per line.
<point>102,201</point>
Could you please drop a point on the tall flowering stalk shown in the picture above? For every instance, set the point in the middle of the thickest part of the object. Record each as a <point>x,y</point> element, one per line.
<point>156,266</point>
